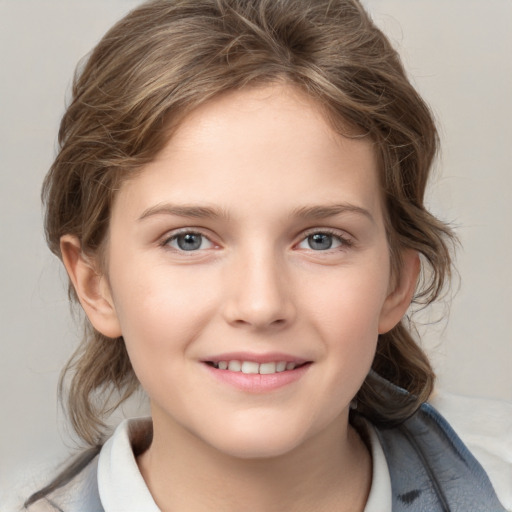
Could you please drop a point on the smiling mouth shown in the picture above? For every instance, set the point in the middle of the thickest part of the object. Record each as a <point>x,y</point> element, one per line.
<point>252,367</point>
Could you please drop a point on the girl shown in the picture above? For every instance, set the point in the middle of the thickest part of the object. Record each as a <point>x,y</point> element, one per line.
<point>238,201</point>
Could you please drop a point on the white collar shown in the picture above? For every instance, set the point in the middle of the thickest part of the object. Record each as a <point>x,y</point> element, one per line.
<point>120,482</point>
<point>121,486</point>
<point>380,498</point>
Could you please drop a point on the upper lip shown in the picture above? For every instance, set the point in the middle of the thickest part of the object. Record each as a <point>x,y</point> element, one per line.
<point>269,357</point>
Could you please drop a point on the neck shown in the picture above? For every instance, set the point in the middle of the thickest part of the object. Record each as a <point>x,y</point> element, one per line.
<point>331,471</point>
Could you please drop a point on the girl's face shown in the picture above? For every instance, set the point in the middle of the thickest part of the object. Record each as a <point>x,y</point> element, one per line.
<point>254,241</point>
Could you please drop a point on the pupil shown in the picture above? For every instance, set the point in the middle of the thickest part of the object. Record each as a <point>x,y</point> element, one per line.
<point>189,242</point>
<point>320,241</point>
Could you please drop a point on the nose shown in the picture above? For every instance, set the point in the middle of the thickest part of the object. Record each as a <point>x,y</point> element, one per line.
<point>259,294</point>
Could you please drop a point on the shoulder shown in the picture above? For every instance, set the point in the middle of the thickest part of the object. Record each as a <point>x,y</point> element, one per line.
<point>42,505</point>
<point>79,494</point>
<point>431,467</point>
<point>109,479</point>
<point>485,427</point>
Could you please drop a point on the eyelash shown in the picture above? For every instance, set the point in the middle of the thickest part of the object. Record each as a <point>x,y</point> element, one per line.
<point>345,242</point>
<point>175,235</point>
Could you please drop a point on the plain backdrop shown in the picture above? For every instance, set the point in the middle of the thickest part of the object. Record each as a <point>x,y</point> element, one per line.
<point>457,53</point>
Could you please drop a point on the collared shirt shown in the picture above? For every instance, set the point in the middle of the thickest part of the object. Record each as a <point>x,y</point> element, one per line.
<point>418,464</point>
<point>122,488</point>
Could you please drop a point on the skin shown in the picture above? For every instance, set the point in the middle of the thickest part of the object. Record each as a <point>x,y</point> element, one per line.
<point>259,158</point>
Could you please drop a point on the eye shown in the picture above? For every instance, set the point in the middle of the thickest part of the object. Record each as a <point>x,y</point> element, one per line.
<point>323,241</point>
<point>189,241</point>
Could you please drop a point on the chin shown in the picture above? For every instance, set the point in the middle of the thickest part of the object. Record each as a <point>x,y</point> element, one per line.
<point>263,449</point>
<point>258,443</point>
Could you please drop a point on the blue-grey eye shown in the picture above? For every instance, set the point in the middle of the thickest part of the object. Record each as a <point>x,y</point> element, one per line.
<point>190,242</point>
<point>320,241</point>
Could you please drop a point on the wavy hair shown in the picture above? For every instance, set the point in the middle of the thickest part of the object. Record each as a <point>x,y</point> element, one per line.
<point>167,57</point>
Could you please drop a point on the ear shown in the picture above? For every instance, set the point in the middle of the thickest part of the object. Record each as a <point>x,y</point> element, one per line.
<point>91,287</point>
<point>401,295</point>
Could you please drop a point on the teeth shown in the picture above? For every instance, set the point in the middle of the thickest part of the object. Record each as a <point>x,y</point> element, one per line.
<point>281,366</point>
<point>267,368</point>
<point>234,366</point>
<point>250,367</point>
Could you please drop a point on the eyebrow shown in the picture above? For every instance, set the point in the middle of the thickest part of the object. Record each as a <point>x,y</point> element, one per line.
<point>189,211</point>
<point>206,212</point>
<point>324,211</point>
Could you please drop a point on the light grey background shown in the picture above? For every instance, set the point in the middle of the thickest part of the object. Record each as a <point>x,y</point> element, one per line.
<point>457,53</point>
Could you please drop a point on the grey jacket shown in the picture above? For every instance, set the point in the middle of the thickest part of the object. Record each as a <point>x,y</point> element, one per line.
<point>431,470</point>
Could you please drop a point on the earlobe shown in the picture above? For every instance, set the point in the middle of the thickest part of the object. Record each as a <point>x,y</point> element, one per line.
<point>91,287</point>
<point>399,299</point>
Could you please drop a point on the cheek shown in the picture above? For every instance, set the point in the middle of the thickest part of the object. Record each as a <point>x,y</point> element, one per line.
<point>160,313</point>
<point>345,312</point>
<point>349,301</point>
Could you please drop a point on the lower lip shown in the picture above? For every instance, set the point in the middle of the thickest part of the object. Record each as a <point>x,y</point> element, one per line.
<point>256,382</point>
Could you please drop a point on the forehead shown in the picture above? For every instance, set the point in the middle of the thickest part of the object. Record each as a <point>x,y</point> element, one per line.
<point>256,115</point>
<point>263,146</point>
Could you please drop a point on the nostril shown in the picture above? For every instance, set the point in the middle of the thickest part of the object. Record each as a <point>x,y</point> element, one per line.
<point>253,311</point>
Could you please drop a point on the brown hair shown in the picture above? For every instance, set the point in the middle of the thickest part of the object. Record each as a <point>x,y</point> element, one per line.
<point>169,56</point>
